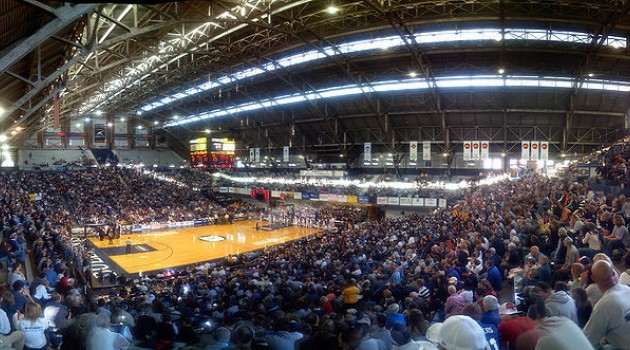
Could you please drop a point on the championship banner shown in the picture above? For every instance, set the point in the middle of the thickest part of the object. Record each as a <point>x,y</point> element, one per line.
<point>367,152</point>
<point>99,134</point>
<point>257,155</point>
<point>467,150</point>
<point>285,154</point>
<point>525,150</point>
<point>485,150</point>
<point>544,150</point>
<point>413,151</point>
<point>475,150</point>
<point>426,150</point>
<point>534,151</point>
<point>251,154</point>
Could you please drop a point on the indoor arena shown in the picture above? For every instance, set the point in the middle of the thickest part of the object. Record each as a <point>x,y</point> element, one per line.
<point>310,175</point>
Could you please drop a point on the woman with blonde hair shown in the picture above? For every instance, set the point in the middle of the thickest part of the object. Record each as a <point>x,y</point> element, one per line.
<point>576,271</point>
<point>33,326</point>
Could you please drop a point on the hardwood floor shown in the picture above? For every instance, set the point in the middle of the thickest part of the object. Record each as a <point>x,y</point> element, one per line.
<point>185,246</point>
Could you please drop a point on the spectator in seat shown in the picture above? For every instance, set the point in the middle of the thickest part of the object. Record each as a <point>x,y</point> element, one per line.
<point>619,238</point>
<point>572,254</point>
<point>558,302</point>
<point>494,276</point>
<point>33,326</point>
<point>454,303</point>
<point>552,332</point>
<point>458,332</point>
<point>490,313</point>
<point>512,325</point>
<point>7,337</point>
<point>609,319</point>
<point>243,337</point>
<point>102,338</point>
<point>584,307</point>
<point>221,337</point>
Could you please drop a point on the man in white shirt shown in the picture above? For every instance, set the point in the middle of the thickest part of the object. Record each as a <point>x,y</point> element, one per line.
<point>102,338</point>
<point>611,316</point>
<point>14,340</point>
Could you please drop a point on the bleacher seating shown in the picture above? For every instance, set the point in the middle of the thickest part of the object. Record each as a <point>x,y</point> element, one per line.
<point>159,157</point>
<point>46,158</point>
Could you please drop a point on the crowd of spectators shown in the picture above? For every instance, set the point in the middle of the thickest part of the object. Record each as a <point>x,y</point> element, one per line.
<point>373,187</point>
<point>614,163</point>
<point>125,196</point>
<point>411,282</point>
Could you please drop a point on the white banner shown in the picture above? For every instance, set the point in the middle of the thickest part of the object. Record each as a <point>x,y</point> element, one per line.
<point>430,202</point>
<point>393,200</point>
<point>251,154</point>
<point>257,155</point>
<point>525,150</point>
<point>381,200</point>
<point>544,150</point>
<point>426,150</point>
<point>442,203</point>
<point>285,154</point>
<point>467,150</point>
<point>485,150</point>
<point>413,151</point>
<point>475,150</point>
<point>406,201</point>
<point>534,150</point>
<point>418,202</point>
<point>367,152</point>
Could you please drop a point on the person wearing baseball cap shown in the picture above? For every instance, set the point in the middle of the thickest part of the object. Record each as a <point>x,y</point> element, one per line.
<point>458,332</point>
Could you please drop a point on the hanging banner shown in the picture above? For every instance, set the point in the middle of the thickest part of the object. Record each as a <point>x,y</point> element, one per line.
<point>544,150</point>
<point>367,152</point>
<point>413,151</point>
<point>99,134</point>
<point>251,154</point>
<point>285,154</point>
<point>534,151</point>
<point>57,111</point>
<point>257,155</point>
<point>475,150</point>
<point>467,150</point>
<point>524,149</point>
<point>426,150</point>
<point>485,150</point>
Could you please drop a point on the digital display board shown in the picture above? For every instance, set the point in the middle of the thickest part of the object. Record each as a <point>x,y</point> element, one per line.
<point>216,154</point>
<point>199,152</point>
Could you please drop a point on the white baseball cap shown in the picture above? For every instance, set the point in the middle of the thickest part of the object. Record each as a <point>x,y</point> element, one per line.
<point>458,332</point>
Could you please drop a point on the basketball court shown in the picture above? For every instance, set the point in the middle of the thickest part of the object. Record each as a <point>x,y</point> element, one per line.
<point>155,251</point>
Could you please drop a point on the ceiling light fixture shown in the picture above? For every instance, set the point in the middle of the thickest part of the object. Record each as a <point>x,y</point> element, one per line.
<point>332,9</point>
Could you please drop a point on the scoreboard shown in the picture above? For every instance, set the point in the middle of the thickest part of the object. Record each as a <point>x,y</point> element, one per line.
<point>216,154</point>
<point>199,152</point>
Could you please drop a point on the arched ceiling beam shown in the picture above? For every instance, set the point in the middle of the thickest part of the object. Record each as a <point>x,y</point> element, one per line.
<point>590,59</point>
<point>65,16</point>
